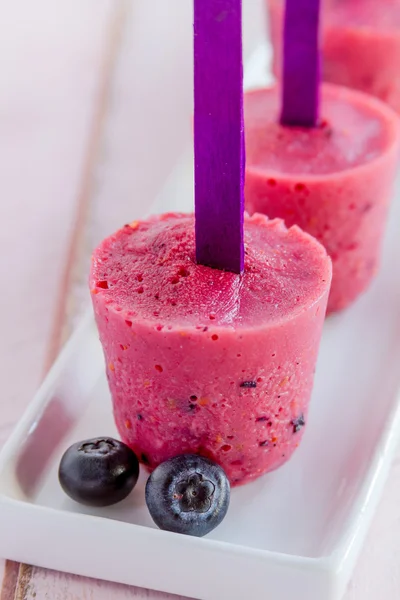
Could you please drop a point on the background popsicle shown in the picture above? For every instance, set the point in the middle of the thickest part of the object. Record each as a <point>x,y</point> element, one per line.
<point>332,176</point>
<point>360,43</point>
<point>334,181</point>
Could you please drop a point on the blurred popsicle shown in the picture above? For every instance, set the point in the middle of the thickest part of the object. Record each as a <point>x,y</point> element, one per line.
<point>360,45</point>
<point>333,176</point>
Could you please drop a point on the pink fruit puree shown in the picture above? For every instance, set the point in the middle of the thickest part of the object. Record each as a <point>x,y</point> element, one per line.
<point>206,361</point>
<point>360,44</point>
<point>334,181</point>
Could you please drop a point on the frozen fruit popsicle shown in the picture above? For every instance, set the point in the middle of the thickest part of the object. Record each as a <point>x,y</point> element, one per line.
<point>210,328</point>
<point>334,181</point>
<point>204,361</point>
<point>332,175</point>
<point>360,44</point>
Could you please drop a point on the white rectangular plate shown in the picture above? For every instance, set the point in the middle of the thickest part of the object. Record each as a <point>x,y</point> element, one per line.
<point>295,531</point>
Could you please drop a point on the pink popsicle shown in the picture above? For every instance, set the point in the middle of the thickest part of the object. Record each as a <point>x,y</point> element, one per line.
<point>334,181</point>
<point>360,45</point>
<point>215,361</point>
<point>207,361</point>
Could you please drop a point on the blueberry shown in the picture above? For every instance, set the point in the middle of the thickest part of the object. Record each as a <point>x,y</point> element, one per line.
<point>98,472</point>
<point>298,423</point>
<point>248,384</point>
<point>188,494</point>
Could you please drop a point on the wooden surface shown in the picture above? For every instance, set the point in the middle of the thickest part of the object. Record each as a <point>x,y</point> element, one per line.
<point>76,162</point>
<point>48,96</point>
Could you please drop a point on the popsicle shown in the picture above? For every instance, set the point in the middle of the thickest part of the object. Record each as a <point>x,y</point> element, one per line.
<point>333,179</point>
<point>360,45</point>
<point>203,360</point>
<point>210,324</point>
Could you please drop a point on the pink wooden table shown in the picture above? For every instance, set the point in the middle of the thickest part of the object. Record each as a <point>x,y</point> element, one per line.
<point>75,164</point>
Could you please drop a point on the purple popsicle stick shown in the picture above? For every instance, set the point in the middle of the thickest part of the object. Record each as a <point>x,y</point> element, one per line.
<point>301,64</point>
<point>219,134</point>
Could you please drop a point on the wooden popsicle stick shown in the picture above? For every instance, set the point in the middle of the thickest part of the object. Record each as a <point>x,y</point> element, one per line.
<point>301,64</point>
<point>219,134</point>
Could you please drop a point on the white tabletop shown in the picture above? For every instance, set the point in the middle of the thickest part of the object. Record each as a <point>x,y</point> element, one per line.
<point>77,160</point>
